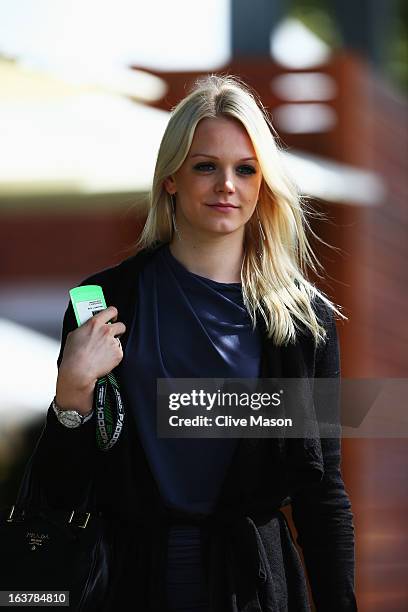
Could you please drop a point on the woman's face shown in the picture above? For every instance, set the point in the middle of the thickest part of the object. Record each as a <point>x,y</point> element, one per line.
<point>218,184</point>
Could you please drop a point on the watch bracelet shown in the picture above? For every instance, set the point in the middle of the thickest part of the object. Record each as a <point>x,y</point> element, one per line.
<point>57,410</point>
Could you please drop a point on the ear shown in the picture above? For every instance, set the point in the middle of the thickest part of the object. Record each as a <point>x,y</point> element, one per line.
<point>169,184</point>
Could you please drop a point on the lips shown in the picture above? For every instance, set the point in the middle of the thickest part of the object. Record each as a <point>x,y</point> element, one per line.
<point>223,205</point>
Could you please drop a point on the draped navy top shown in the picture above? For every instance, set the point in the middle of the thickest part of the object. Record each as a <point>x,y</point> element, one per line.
<point>186,326</point>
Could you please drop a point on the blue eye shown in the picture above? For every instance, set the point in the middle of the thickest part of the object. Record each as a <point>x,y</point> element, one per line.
<point>247,169</point>
<point>203,166</point>
<point>244,169</point>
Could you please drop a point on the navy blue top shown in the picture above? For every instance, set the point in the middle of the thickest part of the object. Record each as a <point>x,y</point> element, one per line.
<point>186,326</point>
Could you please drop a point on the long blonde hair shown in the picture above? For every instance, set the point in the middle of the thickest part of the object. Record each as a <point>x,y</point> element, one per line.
<point>273,274</point>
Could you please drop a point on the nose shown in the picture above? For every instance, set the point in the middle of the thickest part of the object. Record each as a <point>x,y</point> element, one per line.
<point>225,183</point>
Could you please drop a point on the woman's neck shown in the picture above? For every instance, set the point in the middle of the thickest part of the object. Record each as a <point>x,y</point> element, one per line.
<point>219,260</point>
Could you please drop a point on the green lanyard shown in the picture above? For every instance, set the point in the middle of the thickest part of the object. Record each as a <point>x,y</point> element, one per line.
<point>109,411</point>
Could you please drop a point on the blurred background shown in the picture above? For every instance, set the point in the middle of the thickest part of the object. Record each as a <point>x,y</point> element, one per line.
<point>85,93</point>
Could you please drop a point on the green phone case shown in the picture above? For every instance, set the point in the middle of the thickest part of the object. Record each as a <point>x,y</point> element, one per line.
<point>87,301</point>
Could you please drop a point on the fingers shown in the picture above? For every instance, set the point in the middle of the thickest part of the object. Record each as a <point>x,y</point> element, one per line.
<point>117,329</point>
<point>94,347</point>
<point>106,315</point>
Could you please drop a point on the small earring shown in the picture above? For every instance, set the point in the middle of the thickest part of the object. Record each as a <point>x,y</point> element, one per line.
<point>173,215</point>
<point>261,231</point>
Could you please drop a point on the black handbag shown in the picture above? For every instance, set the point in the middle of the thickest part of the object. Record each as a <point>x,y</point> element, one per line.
<point>45,550</point>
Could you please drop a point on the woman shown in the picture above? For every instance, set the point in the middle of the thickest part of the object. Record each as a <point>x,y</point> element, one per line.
<point>218,289</point>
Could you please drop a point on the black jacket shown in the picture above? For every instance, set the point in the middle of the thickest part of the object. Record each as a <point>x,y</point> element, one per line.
<point>248,553</point>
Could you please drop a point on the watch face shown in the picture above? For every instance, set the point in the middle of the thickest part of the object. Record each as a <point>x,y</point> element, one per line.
<point>70,418</point>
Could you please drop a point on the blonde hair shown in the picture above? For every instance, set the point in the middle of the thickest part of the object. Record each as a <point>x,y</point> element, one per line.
<point>273,274</point>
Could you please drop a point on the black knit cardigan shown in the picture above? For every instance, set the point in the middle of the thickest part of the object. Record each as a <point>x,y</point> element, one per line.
<point>249,556</point>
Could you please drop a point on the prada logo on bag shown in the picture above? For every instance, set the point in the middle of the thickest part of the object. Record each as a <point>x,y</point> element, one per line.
<point>36,539</point>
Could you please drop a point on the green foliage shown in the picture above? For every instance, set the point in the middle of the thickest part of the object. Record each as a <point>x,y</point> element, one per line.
<point>319,17</point>
<point>316,16</point>
<point>396,52</point>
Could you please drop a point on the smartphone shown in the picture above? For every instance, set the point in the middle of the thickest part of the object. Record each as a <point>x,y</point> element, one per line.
<point>87,301</point>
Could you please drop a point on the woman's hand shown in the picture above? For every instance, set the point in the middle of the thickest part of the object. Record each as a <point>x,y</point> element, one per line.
<point>91,351</point>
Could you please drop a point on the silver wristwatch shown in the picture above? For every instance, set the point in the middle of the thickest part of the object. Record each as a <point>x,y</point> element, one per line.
<point>70,418</point>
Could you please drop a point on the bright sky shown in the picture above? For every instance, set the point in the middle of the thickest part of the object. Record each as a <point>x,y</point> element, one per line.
<point>181,34</point>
